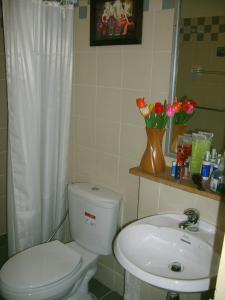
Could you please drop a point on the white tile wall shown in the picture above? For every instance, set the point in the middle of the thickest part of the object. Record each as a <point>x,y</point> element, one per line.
<point>107,132</point>
<point>109,69</point>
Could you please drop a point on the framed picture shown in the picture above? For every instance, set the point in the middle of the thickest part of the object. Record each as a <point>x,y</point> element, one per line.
<point>115,22</point>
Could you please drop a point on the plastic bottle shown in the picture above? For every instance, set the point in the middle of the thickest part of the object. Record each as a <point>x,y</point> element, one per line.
<point>214,180</point>
<point>200,144</point>
<point>186,174</point>
<point>217,178</point>
<point>213,153</point>
<point>219,156</point>
<point>220,185</point>
<point>178,171</point>
<point>213,159</point>
<point>206,166</point>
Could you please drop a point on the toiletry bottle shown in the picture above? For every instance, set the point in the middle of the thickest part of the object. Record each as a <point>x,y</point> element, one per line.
<point>217,174</point>
<point>220,175</point>
<point>213,159</point>
<point>178,171</point>
<point>213,153</point>
<point>214,180</point>
<point>173,168</point>
<point>186,174</point>
<point>206,166</point>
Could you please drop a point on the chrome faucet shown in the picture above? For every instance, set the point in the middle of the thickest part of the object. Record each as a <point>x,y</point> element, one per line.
<point>192,219</point>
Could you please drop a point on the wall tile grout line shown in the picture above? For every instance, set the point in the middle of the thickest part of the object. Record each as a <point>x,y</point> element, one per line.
<point>107,294</point>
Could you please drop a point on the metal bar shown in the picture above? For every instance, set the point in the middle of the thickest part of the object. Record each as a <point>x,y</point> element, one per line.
<point>173,71</point>
<point>202,71</point>
<point>213,109</point>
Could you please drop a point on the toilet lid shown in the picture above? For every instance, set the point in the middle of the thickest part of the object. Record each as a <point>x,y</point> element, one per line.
<point>40,265</point>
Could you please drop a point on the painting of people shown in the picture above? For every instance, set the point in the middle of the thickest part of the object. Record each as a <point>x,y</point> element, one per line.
<point>116,22</point>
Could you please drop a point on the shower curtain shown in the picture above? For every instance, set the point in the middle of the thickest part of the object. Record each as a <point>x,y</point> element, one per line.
<point>39,55</point>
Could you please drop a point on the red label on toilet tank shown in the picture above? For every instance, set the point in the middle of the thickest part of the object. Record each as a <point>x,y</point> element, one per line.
<point>87,214</point>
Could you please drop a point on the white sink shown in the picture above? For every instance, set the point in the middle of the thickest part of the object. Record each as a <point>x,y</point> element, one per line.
<point>157,251</point>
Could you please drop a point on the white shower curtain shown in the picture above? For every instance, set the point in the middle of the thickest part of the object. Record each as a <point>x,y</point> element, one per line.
<point>39,54</point>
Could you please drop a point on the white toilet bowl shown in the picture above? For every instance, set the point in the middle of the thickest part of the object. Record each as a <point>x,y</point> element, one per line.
<point>49,271</point>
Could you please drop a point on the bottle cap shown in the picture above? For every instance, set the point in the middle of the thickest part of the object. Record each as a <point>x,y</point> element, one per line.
<point>213,153</point>
<point>207,156</point>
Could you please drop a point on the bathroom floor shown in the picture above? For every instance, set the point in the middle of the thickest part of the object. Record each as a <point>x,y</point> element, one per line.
<point>3,252</point>
<point>101,292</point>
<point>3,249</point>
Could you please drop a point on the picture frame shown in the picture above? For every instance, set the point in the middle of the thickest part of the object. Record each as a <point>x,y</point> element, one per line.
<point>115,22</point>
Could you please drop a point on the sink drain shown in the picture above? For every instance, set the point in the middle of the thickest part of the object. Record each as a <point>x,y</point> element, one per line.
<point>176,267</point>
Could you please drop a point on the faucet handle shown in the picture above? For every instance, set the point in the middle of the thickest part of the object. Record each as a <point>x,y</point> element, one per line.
<point>193,215</point>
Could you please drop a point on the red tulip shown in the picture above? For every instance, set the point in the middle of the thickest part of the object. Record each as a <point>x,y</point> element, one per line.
<point>141,102</point>
<point>185,106</point>
<point>159,108</point>
<point>193,103</point>
<point>188,107</point>
<point>177,106</point>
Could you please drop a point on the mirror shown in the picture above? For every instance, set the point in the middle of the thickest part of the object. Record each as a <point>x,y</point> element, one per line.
<point>198,67</point>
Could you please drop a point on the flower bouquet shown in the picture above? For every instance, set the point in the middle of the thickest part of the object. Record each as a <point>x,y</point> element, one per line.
<point>156,116</point>
<point>184,110</point>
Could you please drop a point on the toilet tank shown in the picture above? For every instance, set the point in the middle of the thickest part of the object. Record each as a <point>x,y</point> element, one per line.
<point>93,216</point>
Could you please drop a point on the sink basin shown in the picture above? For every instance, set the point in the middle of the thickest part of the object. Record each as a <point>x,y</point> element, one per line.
<point>157,251</point>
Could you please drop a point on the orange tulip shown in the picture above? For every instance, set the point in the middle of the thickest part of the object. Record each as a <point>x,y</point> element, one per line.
<point>141,102</point>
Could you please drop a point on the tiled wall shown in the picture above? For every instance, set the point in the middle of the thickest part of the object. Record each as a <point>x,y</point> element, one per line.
<point>3,136</point>
<point>157,198</point>
<point>203,29</point>
<point>107,132</point>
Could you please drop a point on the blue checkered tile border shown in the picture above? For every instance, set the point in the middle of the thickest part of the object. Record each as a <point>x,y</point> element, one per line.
<point>203,29</point>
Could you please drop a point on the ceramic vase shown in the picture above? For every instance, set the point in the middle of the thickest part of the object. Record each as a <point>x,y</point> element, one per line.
<point>153,161</point>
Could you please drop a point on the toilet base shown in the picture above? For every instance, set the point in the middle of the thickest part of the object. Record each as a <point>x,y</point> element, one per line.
<point>80,290</point>
<point>93,297</point>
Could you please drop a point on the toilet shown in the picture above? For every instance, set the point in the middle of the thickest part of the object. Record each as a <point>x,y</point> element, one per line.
<point>62,271</point>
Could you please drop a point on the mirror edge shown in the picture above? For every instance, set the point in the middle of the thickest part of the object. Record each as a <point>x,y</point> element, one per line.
<point>173,72</point>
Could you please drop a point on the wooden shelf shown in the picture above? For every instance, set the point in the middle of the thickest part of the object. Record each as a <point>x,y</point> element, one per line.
<point>183,184</point>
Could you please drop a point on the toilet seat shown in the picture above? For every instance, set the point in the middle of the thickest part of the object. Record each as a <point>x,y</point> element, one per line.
<point>39,269</point>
